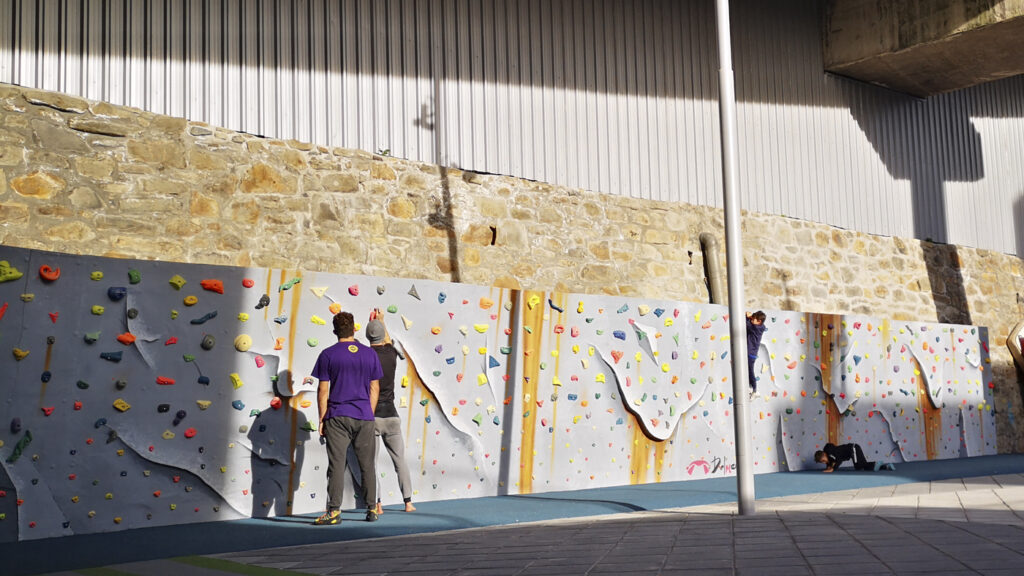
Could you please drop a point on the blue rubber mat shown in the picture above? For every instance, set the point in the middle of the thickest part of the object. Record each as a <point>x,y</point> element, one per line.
<point>90,550</point>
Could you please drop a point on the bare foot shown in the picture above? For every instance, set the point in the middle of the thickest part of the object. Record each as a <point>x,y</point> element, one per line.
<point>409,507</point>
<point>380,509</point>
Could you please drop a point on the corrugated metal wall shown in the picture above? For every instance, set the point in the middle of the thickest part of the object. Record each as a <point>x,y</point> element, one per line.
<point>614,96</point>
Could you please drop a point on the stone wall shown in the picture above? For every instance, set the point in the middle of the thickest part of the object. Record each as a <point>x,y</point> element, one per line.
<point>91,178</point>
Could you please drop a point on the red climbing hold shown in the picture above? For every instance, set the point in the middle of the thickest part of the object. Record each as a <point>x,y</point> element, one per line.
<point>127,338</point>
<point>275,403</point>
<point>248,282</point>
<point>171,340</point>
<point>3,310</point>
<point>164,381</point>
<point>78,405</point>
<point>48,410</point>
<point>189,433</point>
<point>353,290</point>
<point>212,285</point>
<point>156,494</point>
<point>53,316</point>
<point>49,274</point>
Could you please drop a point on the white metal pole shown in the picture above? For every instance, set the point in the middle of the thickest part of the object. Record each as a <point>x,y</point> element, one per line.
<point>734,266</point>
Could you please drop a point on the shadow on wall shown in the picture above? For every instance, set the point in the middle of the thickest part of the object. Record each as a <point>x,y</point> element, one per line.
<point>1018,220</point>
<point>928,143</point>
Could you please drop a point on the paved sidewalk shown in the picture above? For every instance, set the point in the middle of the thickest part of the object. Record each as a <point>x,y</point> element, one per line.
<point>942,517</point>
<point>962,526</point>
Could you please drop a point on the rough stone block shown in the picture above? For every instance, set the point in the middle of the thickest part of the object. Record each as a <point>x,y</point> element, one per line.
<point>38,185</point>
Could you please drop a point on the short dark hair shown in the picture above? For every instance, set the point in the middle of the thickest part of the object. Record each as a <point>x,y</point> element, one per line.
<point>344,325</point>
<point>818,455</point>
<point>759,316</point>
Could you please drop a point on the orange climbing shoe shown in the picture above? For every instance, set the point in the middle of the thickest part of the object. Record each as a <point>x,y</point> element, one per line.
<point>329,517</point>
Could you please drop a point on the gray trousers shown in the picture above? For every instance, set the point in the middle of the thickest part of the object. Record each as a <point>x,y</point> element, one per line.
<point>390,430</point>
<point>341,431</point>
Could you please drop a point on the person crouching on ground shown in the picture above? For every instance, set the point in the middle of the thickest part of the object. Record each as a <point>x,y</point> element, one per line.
<point>833,456</point>
<point>349,375</point>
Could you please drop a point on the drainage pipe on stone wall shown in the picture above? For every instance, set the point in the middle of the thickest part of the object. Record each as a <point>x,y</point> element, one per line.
<point>712,268</point>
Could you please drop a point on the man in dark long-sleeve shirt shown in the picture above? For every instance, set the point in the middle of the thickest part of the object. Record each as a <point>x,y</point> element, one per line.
<point>833,457</point>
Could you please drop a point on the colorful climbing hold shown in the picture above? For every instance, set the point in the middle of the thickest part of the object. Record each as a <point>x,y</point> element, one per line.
<point>49,274</point>
<point>177,281</point>
<point>212,285</point>
<point>243,342</point>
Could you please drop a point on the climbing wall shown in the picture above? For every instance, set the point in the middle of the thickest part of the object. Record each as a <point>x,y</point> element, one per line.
<point>143,393</point>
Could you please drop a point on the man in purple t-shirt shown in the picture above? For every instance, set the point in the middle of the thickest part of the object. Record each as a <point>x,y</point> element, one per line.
<point>349,375</point>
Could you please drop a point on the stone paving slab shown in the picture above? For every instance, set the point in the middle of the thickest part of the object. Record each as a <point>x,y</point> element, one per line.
<point>973,526</point>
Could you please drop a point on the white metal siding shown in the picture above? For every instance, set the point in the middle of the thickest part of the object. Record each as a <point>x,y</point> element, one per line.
<point>615,96</point>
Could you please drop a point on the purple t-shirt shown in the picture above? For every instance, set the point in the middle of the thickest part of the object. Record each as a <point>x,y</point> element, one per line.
<point>349,367</point>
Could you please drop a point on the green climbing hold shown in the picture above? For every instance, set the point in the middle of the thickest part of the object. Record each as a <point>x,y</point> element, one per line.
<point>82,385</point>
<point>134,276</point>
<point>289,284</point>
<point>188,357</point>
<point>8,272</point>
<point>425,401</point>
<point>312,342</point>
<point>478,419</point>
<point>392,309</point>
<point>309,426</point>
<point>20,447</point>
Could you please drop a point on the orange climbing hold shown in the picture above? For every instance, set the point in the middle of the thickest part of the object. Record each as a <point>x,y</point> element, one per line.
<point>164,381</point>
<point>49,274</point>
<point>212,285</point>
<point>127,338</point>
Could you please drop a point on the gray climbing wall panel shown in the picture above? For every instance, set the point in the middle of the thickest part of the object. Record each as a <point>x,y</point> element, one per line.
<point>141,393</point>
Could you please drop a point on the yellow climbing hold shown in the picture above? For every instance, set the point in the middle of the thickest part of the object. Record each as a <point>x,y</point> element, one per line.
<point>481,328</point>
<point>236,380</point>
<point>405,381</point>
<point>191,300</point>
<point>243,342</point>
<point>204,404</point>
<point>19,354</point>
<point>317,320</point>
<point>177,281</point>
<point>243,316</point>
<point>533,301</point>
<point>481,379</point>
<point>482,350</point>
<point>599,377</point>
<point>167,435</point>
<point>579,307</point>
<point>665,367</point>
<point>121,405</point>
